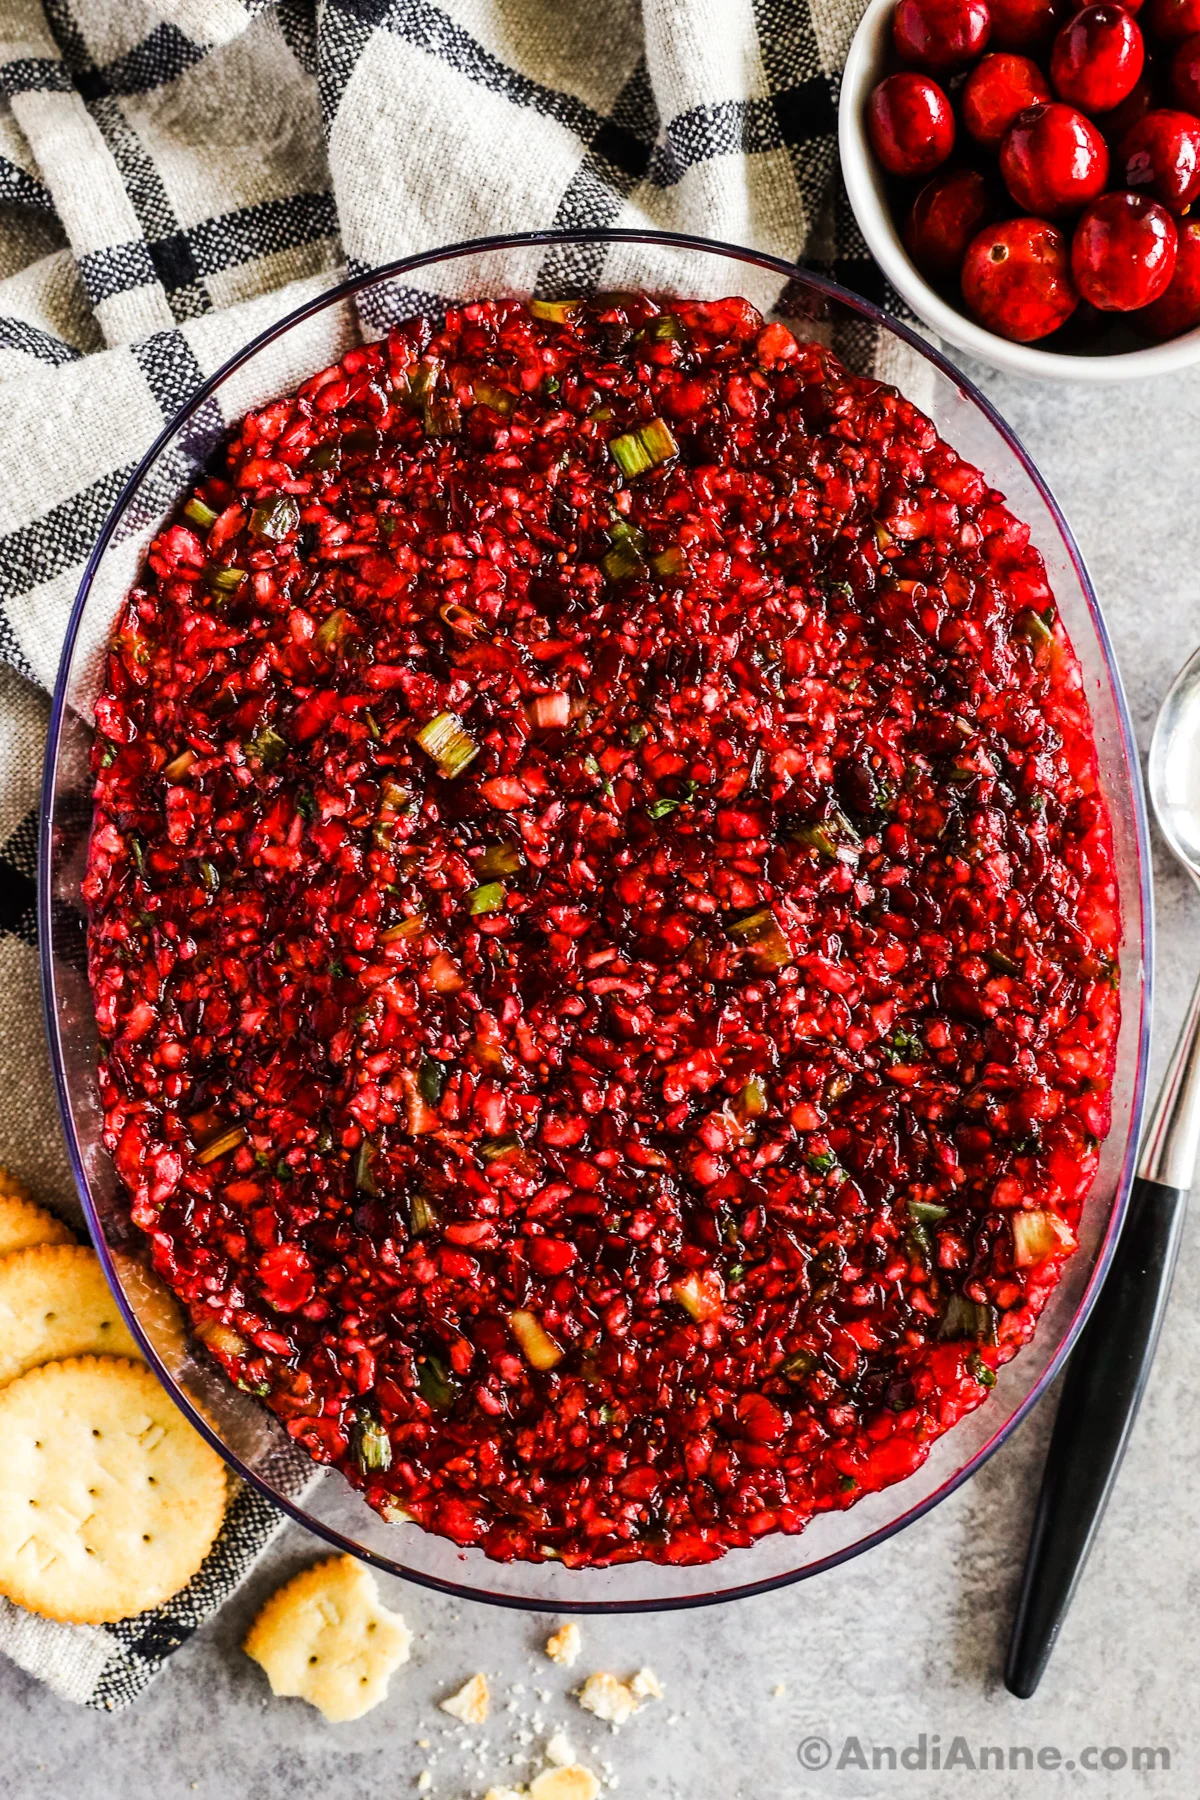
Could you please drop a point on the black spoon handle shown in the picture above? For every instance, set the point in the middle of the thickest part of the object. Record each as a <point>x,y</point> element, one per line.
<point>1106,1377</point>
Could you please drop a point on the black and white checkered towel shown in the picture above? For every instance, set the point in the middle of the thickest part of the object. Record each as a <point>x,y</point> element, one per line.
<point>174,174</point>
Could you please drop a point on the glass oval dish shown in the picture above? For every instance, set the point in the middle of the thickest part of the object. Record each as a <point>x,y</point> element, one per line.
<point>251,1440</point>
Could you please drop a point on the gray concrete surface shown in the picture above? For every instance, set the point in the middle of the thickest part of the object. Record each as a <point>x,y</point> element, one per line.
<point>908,1640</point>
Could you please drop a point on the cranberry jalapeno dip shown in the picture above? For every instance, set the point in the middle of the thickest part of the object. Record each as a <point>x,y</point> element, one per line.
<point>603,926</point>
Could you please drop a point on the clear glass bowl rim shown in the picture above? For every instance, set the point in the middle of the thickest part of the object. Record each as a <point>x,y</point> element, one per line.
<point>876,316</point>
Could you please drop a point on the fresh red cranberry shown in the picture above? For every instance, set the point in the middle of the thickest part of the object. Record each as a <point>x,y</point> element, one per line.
<point>1097,58</point>
<point>910,123</point>
<point>1136,104</point>
<point>1123,252</point>
<point>1161,155</point>
<point>1053,160</point>
<point>1174,20</point>
<point>1185,74</point>
<point>1178,309</point>
<point>1017,279</point>
<point>946,214</point>
<point>940,34</point>
<point>996,90</point>
<point>1022,24</point>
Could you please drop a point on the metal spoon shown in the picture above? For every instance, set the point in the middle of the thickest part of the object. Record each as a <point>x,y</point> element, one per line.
<point>1109,1366</point>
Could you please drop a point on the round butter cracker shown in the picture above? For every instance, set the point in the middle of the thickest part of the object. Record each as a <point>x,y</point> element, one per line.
<point>55,1302</point>
<point>109,1500</point>
<point>23,1224</point>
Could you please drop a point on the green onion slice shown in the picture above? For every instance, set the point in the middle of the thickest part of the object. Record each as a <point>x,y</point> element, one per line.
<point>422,1214</point>
<point>555,312</point>
<point>436,1383</point>
<point>499,399</point>
<point>405,928</point>
<point>760,932</point>
<point>364,1180</point>
<point>449,745</point>
<point>277,519</point>
<point>500,859</point>
<point>488,898</point>
<point>199,513</point>
<point>372,1445</point>
<point>267,747</point>
<point>225,580</point>
<point>669,562</point>
<point>332,630</point>
<point>225,1141</point>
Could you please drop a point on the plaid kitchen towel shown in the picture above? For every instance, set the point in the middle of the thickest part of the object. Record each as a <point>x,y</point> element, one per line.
<point>175,174</point>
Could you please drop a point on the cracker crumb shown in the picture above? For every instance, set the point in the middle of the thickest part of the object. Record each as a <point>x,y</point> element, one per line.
<point>504,1793</point>
<point>563,1646</point>
<point>470,1704</point>
<point>559,1750</point>
<point>778,1691</point>
<point>424,1781</point>
<point>608,1698</point>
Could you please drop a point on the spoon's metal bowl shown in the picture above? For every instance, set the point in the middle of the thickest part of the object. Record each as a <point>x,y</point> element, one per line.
<point>1173,768</point>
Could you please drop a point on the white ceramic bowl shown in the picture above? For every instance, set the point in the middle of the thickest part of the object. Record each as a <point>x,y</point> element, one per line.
<point>867,63</point>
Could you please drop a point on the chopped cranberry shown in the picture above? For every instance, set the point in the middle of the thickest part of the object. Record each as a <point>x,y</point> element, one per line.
<point>1016,279</point>
<point>999,88</point>
<point>1185,74</point>
<point>1023,24</point>
<point>1161,157</point>
<point>1174,20</point>
<point>1178,309</point>
<point>602,924</point>
<point>945,216</point>
<point>1123,252</point>
<point>911,124</point>
<point>1053,160</point>
<point>940,34</point>
<point>1097,58</point>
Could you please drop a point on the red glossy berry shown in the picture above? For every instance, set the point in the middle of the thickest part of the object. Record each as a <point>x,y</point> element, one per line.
<point>1161,156</point>
<point>911,124</point>
<point>1097,58</point>
<point>1123,252</point>
<point>1053,160</point>
<point>1016,279</point>
<point>1136,104</point>
<point>946,214</point>
<point>1022,24</point>
<point>1185,74</point>
<point>996,90</point>
<point>1174,20</point>
<point>1177,310</point>
<point>940,34</point>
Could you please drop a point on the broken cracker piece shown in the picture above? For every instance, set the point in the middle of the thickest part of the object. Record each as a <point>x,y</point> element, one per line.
<point>559,1750</point>
<point>646,1685</point>
<point>470,1704</point>
<point>608,1698</point>
<point>563,1646</point>
<point>575,1782</point>
<point>325,1637</point>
